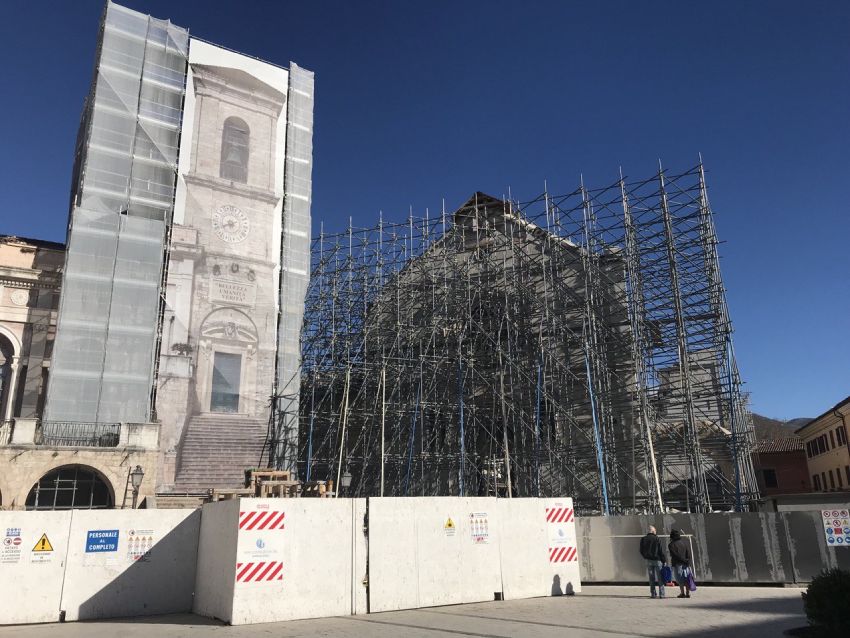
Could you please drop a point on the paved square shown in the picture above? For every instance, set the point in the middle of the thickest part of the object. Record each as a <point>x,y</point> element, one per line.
<point>598,612</point>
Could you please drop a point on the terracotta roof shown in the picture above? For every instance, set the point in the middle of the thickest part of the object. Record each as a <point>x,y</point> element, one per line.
<point>787,444</point>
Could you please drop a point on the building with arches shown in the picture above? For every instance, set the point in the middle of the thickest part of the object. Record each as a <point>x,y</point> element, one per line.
<point>30,273</point>
<point>183,281</point>
<point>43,466</point>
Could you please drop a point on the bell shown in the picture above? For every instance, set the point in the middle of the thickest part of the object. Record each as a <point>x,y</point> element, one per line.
<point>233,157</point>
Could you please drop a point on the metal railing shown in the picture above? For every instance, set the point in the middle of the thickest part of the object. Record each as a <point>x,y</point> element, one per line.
<point>67,434</point>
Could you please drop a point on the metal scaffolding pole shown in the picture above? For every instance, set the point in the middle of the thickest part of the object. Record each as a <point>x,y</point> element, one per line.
<point>570,344</point>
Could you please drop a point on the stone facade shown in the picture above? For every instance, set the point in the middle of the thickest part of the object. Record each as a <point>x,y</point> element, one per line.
<point>24,462</point>
<point>29,295</point>
<point>199,370</point>
<point>30,277</point>
<point>217,359</point>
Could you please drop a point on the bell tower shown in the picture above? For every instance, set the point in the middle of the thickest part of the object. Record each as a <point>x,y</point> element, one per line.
<point>217,373</point>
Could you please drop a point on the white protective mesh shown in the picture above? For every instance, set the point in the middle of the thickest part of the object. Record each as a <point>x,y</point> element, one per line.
<point>102,367</point>
<point>296,257</point>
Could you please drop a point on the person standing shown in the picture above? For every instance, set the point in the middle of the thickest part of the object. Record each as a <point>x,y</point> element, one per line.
<point>653,553</point>
<point>680,559</point>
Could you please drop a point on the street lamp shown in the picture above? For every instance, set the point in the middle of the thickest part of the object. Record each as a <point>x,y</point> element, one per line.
<point>345,481</point>
<point>136,477</point>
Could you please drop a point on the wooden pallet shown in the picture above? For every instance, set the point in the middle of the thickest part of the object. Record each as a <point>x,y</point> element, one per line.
<point>318,489</point>
<point>254,476</point>
<point>227,495</point>
<point>279,489</point>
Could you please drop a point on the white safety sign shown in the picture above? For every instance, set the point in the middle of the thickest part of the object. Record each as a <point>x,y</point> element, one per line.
<point>836,527</point>
<point>479,528</point>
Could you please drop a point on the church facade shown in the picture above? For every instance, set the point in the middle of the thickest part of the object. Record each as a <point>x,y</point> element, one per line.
<point>219,352</point>
<point>183,282</point>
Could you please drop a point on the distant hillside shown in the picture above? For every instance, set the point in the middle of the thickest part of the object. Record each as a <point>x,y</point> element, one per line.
<point>768,429</point>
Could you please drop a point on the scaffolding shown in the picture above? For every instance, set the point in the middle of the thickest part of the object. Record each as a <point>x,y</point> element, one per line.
<point>125,170</point>
<point>573,344</point>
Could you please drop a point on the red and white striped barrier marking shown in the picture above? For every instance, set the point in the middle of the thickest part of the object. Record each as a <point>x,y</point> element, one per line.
<point>261,520</point>
<point>562,554</point>
<point>559,515</point>
<point>256,572</point>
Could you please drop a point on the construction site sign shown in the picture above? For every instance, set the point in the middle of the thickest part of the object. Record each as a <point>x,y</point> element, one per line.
<point>139,545</point>
<point>43,544</point>
<point>101,540</point>
<point>479,528</point>
<point>11,550</point>
<point>836,527</point>
<point>560,528</point>
<point>449,528</point>
<point>42,552</point>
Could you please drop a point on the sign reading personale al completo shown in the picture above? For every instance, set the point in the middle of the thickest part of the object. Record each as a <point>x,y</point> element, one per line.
<point>102,540</point>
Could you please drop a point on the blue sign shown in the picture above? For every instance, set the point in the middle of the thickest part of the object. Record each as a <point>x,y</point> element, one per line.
<point>830,540</point>
<point>102,540</point>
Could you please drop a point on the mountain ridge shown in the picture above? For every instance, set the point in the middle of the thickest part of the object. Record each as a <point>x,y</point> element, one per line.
<point>767,429</point>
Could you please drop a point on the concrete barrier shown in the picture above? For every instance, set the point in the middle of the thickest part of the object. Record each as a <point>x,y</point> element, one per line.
<point>420,552</point>
<point>267,560</point>
<point>538,552</point>
<point>32,565</point>
<point>149,567</point>
<point>430,551</point>
<point>86,564</point>
<point>728,548</point>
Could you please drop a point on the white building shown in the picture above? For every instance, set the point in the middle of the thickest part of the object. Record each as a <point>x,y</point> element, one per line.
<point>188,249</point>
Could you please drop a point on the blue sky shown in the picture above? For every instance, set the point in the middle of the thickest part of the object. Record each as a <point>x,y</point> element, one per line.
<point>416,102</point>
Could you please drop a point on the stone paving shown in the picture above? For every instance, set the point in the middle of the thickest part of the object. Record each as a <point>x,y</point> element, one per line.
<point>598,612</point>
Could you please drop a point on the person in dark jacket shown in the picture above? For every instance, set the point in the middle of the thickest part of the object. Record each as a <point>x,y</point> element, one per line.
<point>680,559</point>
<point>653,553</point>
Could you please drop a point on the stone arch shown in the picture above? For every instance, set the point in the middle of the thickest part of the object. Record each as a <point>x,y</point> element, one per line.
<point>230,324</point>
<point>10,351</point>
<point>71,486</point>
<point>13,339</point>
<point>227,363</point>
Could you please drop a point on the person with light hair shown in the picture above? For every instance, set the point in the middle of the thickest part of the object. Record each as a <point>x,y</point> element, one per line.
<point>653,554</point>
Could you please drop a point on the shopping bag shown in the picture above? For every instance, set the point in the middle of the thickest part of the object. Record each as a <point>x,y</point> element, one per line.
<point>692,584</point>
<point>666,574</point>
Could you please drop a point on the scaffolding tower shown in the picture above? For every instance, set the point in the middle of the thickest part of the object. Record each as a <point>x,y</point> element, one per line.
<point>574,344</point>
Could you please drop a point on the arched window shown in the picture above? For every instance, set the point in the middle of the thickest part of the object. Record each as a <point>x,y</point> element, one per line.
<point>234,150</point>
<point>70,486</point>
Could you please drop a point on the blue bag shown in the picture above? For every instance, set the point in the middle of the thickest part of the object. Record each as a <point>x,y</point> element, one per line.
<point>666,574</point>
<point>692,584</point>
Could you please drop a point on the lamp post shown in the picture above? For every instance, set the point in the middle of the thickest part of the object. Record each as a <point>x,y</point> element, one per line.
<point>345,481</point>
<point>136,477</point>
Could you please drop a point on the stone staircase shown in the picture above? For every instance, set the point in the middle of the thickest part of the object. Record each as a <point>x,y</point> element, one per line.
<point>216,451</point>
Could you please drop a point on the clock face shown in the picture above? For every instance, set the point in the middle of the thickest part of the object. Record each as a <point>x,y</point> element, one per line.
<point>231,224</point>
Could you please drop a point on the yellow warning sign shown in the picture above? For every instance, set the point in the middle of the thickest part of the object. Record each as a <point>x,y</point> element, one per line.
<point>43,544</point>
<point>449,527</point>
